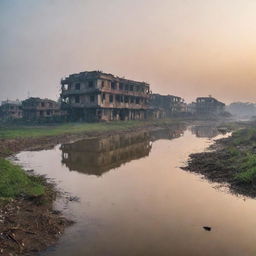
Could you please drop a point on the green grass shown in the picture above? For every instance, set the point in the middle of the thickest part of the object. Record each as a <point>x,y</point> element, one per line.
<point>247,176</point>
<point>239,154</point>
<point>14,181</point>
<point>233,151</point>
<point>244,136</point>
<point>247,168</point>
<point>12,132</point>
<point>242,156</point>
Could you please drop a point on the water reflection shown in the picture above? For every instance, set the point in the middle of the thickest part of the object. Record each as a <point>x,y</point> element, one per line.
<point>149,206</point>
<point>96,156</point>
<point>168,134</point>
<point>205,131</point>
<point>99,155</point>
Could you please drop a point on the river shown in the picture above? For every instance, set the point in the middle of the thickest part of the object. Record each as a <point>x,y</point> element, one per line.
<point>135,200</point>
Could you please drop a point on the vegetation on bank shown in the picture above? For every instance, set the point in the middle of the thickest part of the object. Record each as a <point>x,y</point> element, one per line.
<point>12,132</point>
<point>232,161</point>
<point>29,223</point>
<point>242,149</point>
<point>15,182</point>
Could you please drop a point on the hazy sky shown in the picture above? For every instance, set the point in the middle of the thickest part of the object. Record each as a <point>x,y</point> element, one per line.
<point>187,48</point>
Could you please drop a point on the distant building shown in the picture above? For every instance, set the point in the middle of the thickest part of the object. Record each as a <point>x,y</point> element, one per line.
<point>242,110</point>
<point>191,108</point>
<point>10,110</point>
<point>36,108</point>
<point>166,105</point>
<point>208,106</point>
<point>97,96</point>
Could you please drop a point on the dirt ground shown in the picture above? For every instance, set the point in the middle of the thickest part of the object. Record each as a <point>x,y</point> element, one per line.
<point>29,225</point>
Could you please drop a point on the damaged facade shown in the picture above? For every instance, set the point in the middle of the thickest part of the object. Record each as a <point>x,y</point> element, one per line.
<point>97,96</point>
<point>162,106</point>
<point>11,110</point>
<point>36,109</point>
<point>209,106</point>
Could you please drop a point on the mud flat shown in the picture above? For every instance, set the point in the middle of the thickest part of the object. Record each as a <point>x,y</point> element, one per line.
<point>28,221</point>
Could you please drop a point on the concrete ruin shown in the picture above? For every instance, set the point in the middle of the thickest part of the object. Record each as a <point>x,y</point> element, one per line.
<point>11,110</point>
<point>36,109</point>
<point>209,106</point>
<point>97,96</point>
<point>162,106</point>
<point>93,96</point>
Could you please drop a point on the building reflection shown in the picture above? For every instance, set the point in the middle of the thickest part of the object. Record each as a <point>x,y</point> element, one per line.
<point>205,131</point>
<point>98,155</point>
<point>172,132</point>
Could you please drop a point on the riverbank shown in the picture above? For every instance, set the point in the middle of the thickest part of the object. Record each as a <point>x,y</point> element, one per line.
<point>14,139</point>
<point>28,222</point>
<point>230,161</point>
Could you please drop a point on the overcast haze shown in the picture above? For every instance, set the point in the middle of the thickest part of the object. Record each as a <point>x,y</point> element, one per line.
<point>187,48</point>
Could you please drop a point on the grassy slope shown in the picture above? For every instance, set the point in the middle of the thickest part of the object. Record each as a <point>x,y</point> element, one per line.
<point>14,181</point>
<point>10,132</point>
<point>232,162</point>
<point>235,160</point>
<point>242,150</point>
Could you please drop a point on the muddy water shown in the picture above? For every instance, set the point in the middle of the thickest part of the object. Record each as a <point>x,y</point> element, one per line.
<point>135,200</point>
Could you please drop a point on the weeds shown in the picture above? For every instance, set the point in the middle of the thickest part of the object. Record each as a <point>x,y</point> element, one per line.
<point>15,182</point>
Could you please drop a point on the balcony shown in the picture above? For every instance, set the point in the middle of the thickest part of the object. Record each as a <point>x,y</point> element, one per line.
<point>123,105</point>
<point>125,93</point>
<point>78,92</point>
<point>104,90</point>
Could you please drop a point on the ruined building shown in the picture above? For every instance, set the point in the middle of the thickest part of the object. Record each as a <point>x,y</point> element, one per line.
<point>36,108</point>
<point>209,106</point>
<point>10,110</point>
<point>162,106</point>
<point>97,96</point>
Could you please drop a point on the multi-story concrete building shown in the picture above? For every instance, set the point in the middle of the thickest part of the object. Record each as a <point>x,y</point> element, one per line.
<point>209,106</point>
<point>11,109</point>
<point>162,106</point>
<point>36,108</point>
<point>191,108</point>
<point>96,96</point>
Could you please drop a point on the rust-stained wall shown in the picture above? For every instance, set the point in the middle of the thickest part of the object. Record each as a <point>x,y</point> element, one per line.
<point>99,96</point>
